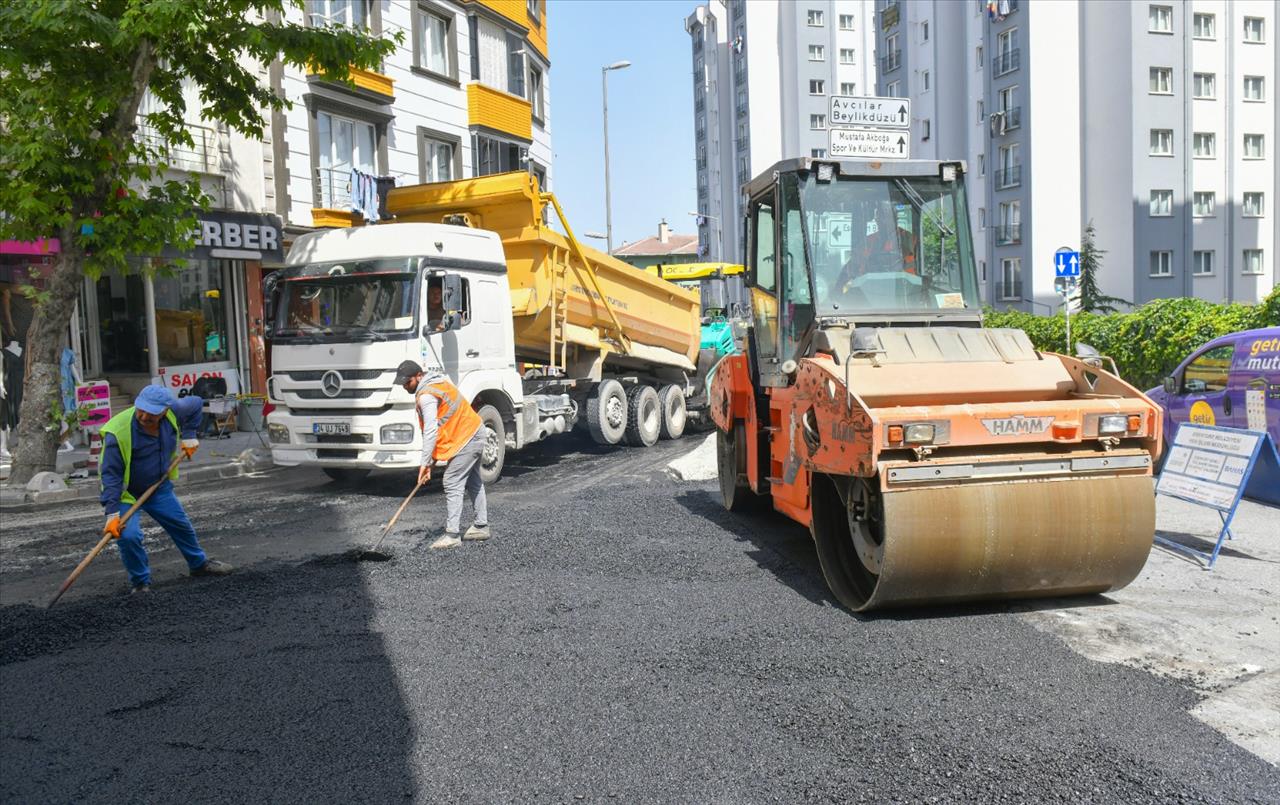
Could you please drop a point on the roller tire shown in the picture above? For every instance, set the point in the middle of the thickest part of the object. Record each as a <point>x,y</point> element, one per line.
<point>644,416</point>
<point>495,450</point>
<point>731,467</point>
<point>674,414</point>
<point>606,428</point>
<point>347,476</point>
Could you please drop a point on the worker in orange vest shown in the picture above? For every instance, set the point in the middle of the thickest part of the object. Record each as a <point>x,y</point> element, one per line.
<point>889,243</point>
<point>454,433</point>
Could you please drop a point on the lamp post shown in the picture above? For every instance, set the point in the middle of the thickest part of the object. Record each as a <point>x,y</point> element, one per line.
<point>608,205</point>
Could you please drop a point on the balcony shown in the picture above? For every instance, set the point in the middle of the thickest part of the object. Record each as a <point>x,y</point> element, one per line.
<point>376,83</point>
<point>500,111</point>
<point>1009,291</point>
<point>1008,234</point>
<point>1009,177</point>
<point>204,155</point>
<point>1007,62</point>
<point>891,61</point>
<point>889,15</point>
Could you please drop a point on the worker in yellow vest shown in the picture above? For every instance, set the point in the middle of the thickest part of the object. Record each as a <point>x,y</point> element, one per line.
<point>139,444</point>
<point>451,432</point>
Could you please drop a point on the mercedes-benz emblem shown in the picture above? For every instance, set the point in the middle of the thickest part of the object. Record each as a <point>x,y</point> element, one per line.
<point>331,383</point>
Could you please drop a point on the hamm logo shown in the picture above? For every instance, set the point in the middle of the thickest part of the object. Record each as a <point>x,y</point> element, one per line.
<point>1018,425</point>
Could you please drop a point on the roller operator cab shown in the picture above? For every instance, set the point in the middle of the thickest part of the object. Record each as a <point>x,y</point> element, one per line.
<point>931,458</point>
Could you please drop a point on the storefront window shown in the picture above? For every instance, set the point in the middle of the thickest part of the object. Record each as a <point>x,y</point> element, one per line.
<point>122,323</point>
<point>191,315</point>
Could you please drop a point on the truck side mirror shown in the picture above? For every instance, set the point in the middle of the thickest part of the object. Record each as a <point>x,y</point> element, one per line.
<point>269,284</point>
<point>454,301</point>
<point>1171,385</point>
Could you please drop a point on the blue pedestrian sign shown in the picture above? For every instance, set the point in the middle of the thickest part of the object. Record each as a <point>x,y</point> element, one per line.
<point>1066,263</point>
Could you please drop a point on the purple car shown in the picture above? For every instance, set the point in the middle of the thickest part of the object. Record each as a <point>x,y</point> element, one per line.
<point>1233,381</point>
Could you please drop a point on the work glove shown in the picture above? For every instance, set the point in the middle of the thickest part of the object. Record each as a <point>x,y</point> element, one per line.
<point>424,474</point>
<point>114,526</point>
<point>190,446</point>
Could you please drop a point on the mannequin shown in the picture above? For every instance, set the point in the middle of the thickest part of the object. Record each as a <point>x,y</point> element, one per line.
<point>11,368</point>
<point>70,379</point>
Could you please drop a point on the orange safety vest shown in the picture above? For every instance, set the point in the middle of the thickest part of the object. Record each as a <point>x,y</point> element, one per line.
<point>906,245</point>
<point>458,421</point>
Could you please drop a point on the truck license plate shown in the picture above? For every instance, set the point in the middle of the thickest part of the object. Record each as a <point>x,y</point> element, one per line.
<point>331,428</point>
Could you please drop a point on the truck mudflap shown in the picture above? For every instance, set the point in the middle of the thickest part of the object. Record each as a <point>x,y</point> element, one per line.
<point>989,535</point>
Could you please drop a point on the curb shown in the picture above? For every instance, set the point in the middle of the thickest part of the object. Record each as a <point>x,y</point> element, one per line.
<point>248,463</point>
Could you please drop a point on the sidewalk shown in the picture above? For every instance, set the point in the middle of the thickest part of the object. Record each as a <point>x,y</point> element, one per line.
<point>239,454</point>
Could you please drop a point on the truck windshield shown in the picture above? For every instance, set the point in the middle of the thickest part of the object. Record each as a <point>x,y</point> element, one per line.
<point>884,245</point>
<point>352,300</point>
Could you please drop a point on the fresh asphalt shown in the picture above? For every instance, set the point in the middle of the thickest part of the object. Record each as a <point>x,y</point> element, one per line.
<point>621,638</point>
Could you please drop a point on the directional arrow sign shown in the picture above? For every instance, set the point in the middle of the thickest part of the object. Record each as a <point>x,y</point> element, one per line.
<point>850,110</point>
<point>869,144</point>
<point>1066,263</point>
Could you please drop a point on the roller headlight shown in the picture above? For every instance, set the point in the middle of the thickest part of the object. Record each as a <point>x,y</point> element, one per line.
<point>396,434</point>
<point>1114,423</point>
<point>918,434</point>
<point>278,434</point>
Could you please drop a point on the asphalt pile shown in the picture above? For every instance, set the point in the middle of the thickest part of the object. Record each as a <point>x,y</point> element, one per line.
<point>625,641</point>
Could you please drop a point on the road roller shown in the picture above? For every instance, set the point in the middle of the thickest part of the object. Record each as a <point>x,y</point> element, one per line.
<point>933,459</point>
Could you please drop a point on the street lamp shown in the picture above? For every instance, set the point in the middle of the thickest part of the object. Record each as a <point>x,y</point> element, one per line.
<point>608,207</point>
<point>595,235</point>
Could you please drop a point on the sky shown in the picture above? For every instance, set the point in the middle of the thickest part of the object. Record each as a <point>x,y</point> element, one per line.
<point>650,115</point>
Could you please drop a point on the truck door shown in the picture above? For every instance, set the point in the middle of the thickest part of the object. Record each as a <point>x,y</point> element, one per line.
<point>764,277</point>
<point>1202,396</point>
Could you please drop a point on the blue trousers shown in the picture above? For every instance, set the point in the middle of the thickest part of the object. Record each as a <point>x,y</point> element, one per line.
<point>164,508</point>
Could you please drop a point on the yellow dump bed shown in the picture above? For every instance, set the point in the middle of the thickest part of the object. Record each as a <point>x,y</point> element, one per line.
<point>570,304</point>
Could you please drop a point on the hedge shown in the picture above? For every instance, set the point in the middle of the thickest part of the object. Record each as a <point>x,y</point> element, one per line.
<point>1150,341</point>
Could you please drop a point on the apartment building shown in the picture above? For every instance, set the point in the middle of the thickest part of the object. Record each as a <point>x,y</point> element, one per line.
<point>763,74</point>
<point>1153,120</point>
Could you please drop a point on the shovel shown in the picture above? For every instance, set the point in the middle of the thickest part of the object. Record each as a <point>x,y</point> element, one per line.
<point>375,555</point>
<point>102,543</point>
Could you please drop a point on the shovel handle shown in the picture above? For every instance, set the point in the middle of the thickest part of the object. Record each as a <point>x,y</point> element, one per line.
<point>106,538</point>
<point>395,517</point>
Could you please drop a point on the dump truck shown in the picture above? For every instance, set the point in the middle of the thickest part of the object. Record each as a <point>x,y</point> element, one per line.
<point>471,279</point>
<point>933,459</point>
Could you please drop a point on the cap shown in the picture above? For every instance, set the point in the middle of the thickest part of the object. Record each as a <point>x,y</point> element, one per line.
<point>406,370</point>
<point>154,400</point>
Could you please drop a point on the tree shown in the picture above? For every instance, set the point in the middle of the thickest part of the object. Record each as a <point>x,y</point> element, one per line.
<point>73,74</point>
<point>1090,297</point>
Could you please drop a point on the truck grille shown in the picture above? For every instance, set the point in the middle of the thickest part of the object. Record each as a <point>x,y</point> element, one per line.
<point>344,394</point>
<point>332,453</point>
<point>312,375</point>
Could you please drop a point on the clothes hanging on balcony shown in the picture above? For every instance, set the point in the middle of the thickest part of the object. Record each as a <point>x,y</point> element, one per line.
<point>365,198</point>
<point>384,185</point>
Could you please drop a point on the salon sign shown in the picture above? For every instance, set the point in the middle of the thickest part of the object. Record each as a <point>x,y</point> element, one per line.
<point>180,379</point>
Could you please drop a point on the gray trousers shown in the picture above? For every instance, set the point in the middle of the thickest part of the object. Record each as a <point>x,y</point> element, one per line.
<point>463,475</point>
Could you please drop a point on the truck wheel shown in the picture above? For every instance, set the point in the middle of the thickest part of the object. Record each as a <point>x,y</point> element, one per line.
<point>674,415</point>
<point>607,412</point>
<point>731,466</point>
<point>644,417</point>
<point>347,476</point>
<point>495,445</point>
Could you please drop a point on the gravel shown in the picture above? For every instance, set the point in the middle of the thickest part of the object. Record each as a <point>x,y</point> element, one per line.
<point>620,638</point>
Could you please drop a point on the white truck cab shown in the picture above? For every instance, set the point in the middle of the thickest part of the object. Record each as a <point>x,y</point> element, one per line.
<point>351,304</point>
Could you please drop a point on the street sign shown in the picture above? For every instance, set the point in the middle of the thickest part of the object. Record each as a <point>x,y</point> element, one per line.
<point>850,110</point>
<point>869,144</point>
<point>1066,263</point>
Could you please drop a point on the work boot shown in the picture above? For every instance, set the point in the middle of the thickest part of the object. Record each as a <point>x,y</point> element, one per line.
<point>477,532</point>
<point>140,588</point>
<point>448,540</point>
<point>212,567</point>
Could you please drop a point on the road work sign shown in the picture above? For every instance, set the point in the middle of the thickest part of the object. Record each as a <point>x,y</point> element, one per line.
<point>1066,263</point>
<point>870,144</point>
<point>849,110</point>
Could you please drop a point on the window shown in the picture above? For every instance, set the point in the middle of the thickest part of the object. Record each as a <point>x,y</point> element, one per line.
<point>1008,99</point>
<point>982,270</point>
<point>1253,88</point>
<point>815,18</point>
<point>846,22</point>
<point>1204,26</point>
<point>847,56</point>
<point>496,51</point>
<point>1252,261</point>
<point>1253,205</point>
<point>1202,204</point>
<point>1161,203</point>
<point>1009,173</point>
<point>1208,371</point>
<point>1010,286</point>
<point>1205,86</point>
<point>924,80</point>
<point>1006,60</point>
<point>1160,19</point>
<point>924,31</point>
<point>433,52</point>
<point>1202,263</point>
<point>892,89</point>
<point>531,6</point>
<point>818,153</point>
<point>848,88</point>
<point>341,144</point>
<point>1253,146</point>
<point>494,155</point>
<point>1162,264</point>
<point>817,53</point>
<point>817,86</point>
<point>978,55</point>
<point>1205,145</point>
<point>352,13</point>
<point>982,115</point>
<point>536,98</point>
<point>191,313</point>
<point>1161,142</point>
<point>437,159</point>
<point>1010,223</point>
<point>1160,81</point>
<point>817,122</point>
<point>1253,29</point>
<point>982,164</point>
<point>764,313</point>
<point>926,131</point>
<point>982,217</point>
